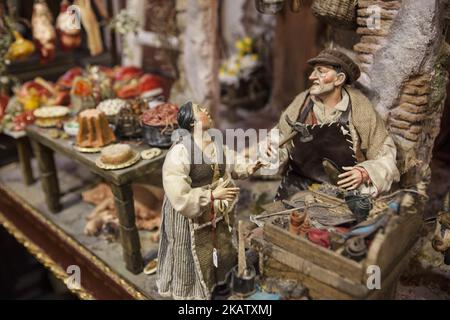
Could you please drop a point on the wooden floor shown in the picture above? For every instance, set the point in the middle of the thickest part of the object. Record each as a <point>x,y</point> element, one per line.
<point>23,208</point>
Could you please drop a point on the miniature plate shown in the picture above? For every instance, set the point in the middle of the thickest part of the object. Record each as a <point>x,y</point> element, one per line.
<point>126,164</point>
<point>45,125</point>
<point>87,149</point>
<point>150,153</point>
<point>150,268</point>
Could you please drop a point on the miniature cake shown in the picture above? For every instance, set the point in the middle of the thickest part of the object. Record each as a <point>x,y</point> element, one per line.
<point>116,154</point>
<point>94,129</point>
<point>50,116</point>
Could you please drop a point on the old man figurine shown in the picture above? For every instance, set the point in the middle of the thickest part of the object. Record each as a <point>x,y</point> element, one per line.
<point>335,123</point>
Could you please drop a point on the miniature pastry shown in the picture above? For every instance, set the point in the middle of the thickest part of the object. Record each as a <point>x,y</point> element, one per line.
<point>94,129</point>
<point>50,116</point>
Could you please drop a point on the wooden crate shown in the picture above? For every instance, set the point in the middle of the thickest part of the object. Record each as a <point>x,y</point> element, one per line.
<point>329,275</point>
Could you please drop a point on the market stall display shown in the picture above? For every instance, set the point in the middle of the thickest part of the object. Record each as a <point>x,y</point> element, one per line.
<point>80,89</point>
<point>120,181</point>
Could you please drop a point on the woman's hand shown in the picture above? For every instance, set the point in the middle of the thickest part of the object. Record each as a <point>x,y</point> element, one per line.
<point>353,178</point>
<point>222,193</point>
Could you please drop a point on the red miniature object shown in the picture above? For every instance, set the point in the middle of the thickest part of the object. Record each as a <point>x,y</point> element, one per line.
<point>62,98</point>
<point>39,88</point>
<point>127,73</point>
<point>109,72</point>
<point>66,80</point>
<point>22,120</point>
<point>320,237</point>
<point>128,91</point>
<point>148,82</point>
<point>4,99</point>
<point>82,88</point>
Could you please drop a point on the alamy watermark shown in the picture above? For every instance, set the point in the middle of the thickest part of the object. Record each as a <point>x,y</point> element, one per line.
<point>73,281</point>
<point>72,20</point>
<point>235,147</point>
<point>374,279</point>
<point>373,21</point>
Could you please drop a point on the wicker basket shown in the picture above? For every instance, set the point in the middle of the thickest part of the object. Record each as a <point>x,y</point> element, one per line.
<point>338,13</point>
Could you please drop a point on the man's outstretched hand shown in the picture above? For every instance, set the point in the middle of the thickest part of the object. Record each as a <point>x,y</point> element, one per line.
<point>254,167</point>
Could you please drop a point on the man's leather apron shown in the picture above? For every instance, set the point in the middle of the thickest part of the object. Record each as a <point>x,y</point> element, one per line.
<point>206,235</point>
<point>332,141</point>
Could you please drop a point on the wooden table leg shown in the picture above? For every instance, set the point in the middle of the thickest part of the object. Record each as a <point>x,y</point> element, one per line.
<point>49,177</point>
<point>129,236</point>
<point>25,160</point>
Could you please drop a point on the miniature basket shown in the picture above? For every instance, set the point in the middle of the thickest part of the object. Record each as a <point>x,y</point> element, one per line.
<point>338,13</point>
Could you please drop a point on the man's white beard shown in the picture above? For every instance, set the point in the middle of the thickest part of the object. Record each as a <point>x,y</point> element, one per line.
<point>320,89</point>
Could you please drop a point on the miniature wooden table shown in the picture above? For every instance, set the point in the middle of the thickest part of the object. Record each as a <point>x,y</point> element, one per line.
<point>119,180</point>
<point>22,143</point>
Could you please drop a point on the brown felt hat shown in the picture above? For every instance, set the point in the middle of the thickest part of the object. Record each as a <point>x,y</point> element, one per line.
<point>338,59</point>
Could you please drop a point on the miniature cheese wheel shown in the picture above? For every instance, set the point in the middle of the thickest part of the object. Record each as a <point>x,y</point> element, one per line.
<point>116,154</point>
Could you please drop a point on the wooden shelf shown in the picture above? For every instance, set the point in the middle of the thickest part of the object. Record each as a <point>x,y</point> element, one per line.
<point>32,67</point>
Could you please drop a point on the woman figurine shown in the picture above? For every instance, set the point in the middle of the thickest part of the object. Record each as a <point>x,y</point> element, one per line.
<point>196,250</point>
